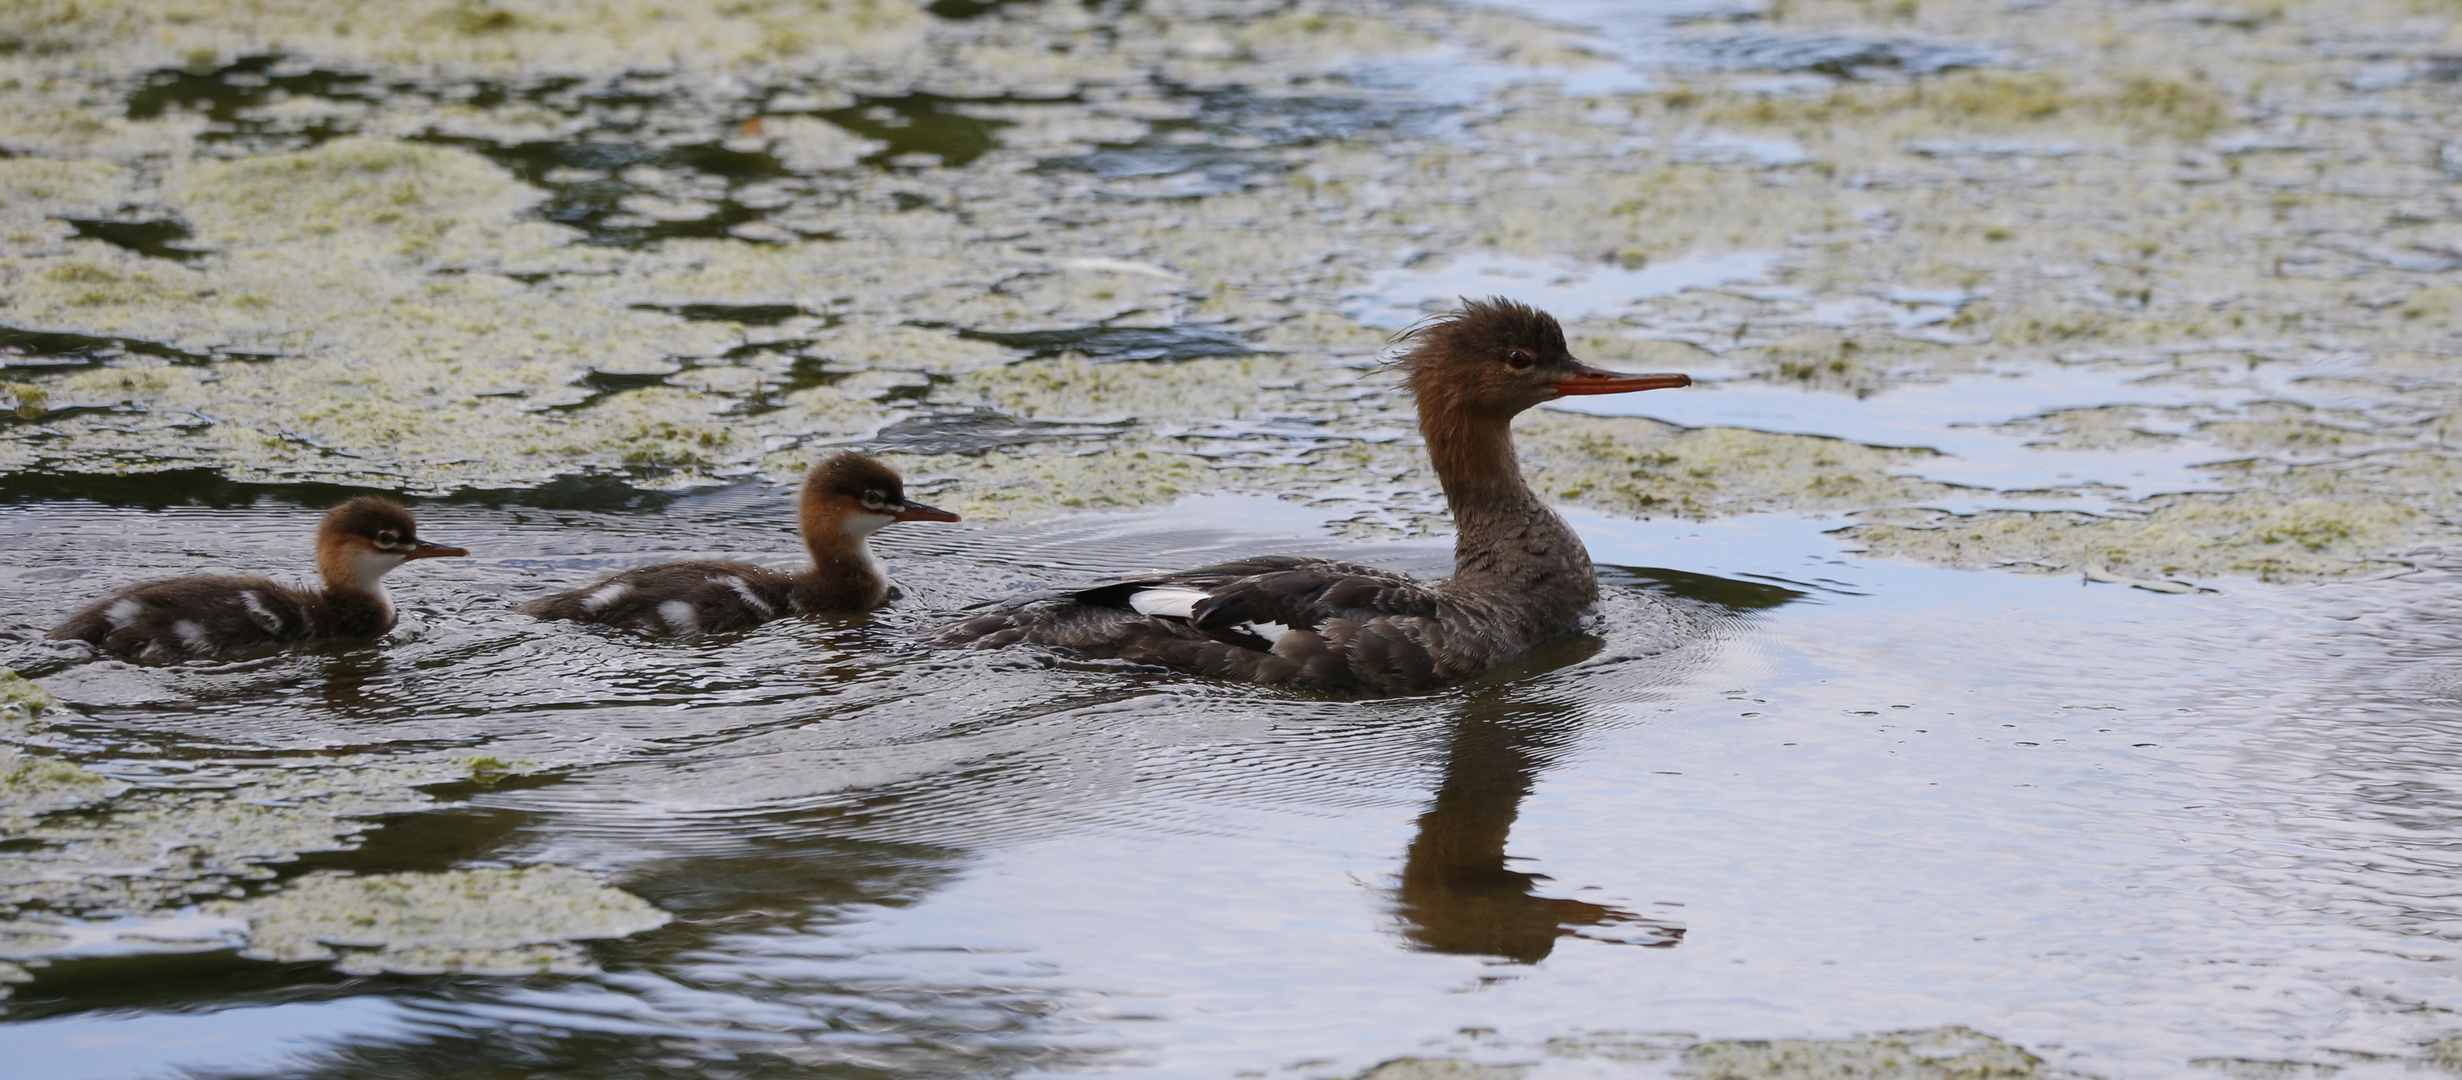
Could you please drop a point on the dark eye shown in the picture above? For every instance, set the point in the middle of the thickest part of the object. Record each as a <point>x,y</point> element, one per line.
<point>874,498</point>
<point>1519,359</point>
<point>388,537</point>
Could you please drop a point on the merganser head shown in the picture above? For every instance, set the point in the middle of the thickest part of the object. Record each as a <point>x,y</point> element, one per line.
<point>1494,358</point>
<point>362,540</point>
<point>858,496</point>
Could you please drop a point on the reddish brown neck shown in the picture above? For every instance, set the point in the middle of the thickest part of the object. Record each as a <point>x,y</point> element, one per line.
<point>1474,459</point>
<point>1506,540</point>
<point>843,575</point>
<point>333,565</point>
<point>338,565</point>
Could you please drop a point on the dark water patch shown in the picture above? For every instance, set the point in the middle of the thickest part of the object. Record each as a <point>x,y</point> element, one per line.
<point>805,370</point>
<point>33,351</point>
<point>924,124</point>
<point>1843,58</point>
<point>962,10</point>
<point>794,347</point>
<point>70,986</point>
<point>1735,595</point>
<point>158,237</point>
<point>607,384</point>
<point>980,430</point>
<point>736,878</point>
<point>747,314</point>
<point>616,382</point>
<point>230,97</point>
<point>598,492</point>
<point>1165,343</point>
<point>595,204</point>
<point>168,488</point>
<point>34,407</point>
<point>438,839</point>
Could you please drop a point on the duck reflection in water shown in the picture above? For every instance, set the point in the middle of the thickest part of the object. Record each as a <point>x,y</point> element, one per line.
<point>1457,895</point>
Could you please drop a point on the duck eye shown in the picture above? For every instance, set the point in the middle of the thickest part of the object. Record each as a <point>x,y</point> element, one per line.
<point>388,537</point>
<point>1519,359</point>
<point>873,499</point>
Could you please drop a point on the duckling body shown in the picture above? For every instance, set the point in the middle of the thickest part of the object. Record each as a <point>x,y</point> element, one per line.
<point>358,543</point>
<point>845,500</point>
<point>1521,575</point>
<point>709,597</point>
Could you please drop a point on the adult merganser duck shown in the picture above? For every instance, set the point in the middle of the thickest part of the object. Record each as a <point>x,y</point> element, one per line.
<point>1520,578</point>
<point>357,544</point>
<point>845,500</point>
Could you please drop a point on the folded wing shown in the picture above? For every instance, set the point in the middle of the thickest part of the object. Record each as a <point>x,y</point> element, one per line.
<point>1279,619</point>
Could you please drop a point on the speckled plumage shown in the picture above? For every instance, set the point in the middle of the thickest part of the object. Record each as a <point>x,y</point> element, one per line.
<point>357,543</point>
<point>844,500</point>
<point>1521,576</point>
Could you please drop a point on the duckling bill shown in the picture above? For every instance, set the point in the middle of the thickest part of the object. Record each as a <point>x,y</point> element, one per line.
<point>845,500</point>
<point>357,544</point>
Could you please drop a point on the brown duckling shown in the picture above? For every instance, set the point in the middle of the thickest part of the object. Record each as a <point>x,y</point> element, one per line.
<point>357,544</point>
<point>845,500</point>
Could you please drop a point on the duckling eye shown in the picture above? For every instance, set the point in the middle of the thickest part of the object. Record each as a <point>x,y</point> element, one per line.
<point>874,499</point>
<point>1519,359</point>
<point>388,538</point>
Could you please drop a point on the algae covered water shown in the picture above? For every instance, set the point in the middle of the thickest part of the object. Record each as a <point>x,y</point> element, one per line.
<point>2025,654</point>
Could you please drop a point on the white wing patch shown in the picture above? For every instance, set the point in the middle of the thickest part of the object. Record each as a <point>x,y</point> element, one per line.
<point>123,613</point>
<point>192,635</point>
<point>598,601</point>
<point>257,610</point>
<point>1169,601</point>
<point>743,589</point>
<point>680,616</point>
<point>1180,602</point>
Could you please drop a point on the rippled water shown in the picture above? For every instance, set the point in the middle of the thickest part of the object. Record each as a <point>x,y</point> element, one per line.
<point>1779,788</point>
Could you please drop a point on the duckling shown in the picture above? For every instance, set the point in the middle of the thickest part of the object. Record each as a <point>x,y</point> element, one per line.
<point>357,544</point>
<point>845,500</point>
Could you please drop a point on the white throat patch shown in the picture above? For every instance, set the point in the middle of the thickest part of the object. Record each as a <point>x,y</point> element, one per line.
<point>863,525</point>
<point>368,570</point>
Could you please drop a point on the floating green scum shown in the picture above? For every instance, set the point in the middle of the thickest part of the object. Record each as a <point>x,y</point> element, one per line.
<point>314,271</point>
